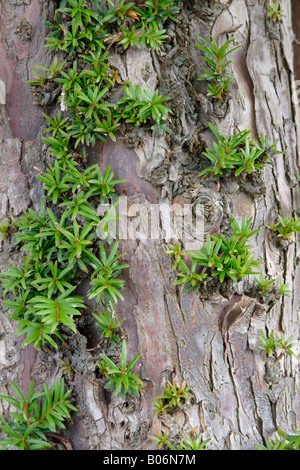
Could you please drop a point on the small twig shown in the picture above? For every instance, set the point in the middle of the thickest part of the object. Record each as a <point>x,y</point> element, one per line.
<point>231,30</point>
<point>65,440</point>
<point>37,169</point>
<point>114,38</point>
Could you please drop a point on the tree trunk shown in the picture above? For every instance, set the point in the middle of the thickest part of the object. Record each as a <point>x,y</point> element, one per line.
<point>241,396</point>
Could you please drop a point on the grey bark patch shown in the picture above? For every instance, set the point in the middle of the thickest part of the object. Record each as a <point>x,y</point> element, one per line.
<point>13,183</point>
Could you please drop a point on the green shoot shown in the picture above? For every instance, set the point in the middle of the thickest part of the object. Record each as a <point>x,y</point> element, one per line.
<point>122,380</point>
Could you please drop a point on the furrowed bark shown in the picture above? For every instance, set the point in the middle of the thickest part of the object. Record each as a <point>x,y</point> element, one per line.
<point>241,397</point>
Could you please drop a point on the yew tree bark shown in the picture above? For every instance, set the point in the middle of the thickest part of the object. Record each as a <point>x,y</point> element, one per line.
<point>212,341</point>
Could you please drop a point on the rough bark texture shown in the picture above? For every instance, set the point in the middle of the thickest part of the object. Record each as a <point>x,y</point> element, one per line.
<point>240,396</point>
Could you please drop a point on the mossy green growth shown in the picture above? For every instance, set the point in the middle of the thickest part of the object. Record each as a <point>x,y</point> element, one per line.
<point>285,227</point>
<point>121,380</point>
<point>36,415</point>
<point>216,58</point>
<point>226,256</point>
<point>238,154</point>
<point>274,11</point>
<point>86,34</point>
